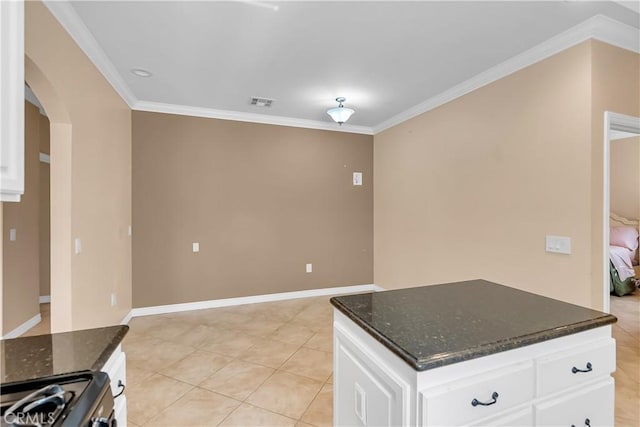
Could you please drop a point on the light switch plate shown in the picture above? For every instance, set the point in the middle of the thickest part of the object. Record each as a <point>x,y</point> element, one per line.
<point>196,247</point>
<point>309,268</point>
<point>12,234</point>
<point>357,178</point>
<point>78,245</point>
<point>558,244</point>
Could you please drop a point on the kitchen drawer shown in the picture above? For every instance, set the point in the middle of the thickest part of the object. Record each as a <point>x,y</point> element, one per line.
<point>556,371</point>
<point>594,402</point>
<point>120,410</point>
<point>116,368</point>
<point>452,404</point>
<point>518,418</point>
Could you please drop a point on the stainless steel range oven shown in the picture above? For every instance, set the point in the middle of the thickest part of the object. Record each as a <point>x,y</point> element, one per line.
<point>80,399</point>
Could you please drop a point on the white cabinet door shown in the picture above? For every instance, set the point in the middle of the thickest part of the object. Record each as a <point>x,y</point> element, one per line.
<point>11,100</point>
<point>116,368</point>
<point>120,410</point>
<point>591,405</point>
<point>364,395</point>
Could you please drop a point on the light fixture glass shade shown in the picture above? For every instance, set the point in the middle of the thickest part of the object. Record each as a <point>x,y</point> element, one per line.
<point>340,114</point>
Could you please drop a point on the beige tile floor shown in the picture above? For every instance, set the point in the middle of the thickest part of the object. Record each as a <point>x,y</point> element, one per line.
<point>264,364</point>
<point>44,327</point>
<point>270,365</point>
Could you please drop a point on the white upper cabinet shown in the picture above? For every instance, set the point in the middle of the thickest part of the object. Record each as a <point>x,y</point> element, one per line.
<point>11,100</point>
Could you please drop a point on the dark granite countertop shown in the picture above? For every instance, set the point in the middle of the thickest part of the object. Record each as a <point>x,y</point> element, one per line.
<point>432,326</point>
<point>50,354</point>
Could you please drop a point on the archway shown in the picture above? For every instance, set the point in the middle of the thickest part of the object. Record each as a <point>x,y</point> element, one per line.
<point>61,144</point>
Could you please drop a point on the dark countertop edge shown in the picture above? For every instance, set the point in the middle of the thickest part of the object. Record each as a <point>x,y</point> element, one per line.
<point>109,349</point>
<point>439,360</point>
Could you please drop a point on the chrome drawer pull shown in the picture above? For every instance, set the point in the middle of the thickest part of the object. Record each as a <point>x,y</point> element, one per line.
<point>494,397</point>
<point>589,369</point>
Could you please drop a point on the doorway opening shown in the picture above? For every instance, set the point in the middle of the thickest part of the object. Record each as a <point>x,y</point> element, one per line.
<point>621,208</point>
<point>60,139</point>
<point>39,124</point>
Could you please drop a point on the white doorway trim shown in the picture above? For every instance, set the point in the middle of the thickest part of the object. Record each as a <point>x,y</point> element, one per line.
<point>616,126</point>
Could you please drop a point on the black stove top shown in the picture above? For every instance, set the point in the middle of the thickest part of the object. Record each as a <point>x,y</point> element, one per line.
<point>71,400</point>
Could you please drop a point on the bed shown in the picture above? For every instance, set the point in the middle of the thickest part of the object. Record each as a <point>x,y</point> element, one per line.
<point>623,254</point>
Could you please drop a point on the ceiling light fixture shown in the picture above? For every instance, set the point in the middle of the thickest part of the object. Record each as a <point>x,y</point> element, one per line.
<point>340,114</point>
<point>141,72</point>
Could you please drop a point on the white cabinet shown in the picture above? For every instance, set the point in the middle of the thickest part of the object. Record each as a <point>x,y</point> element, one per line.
<point>480,396</point>
<point>518,418</point>
<point>369,393</point>
<point>116,368</point>
<point>562,369</point>
<point>591,405</point>
<point>563,381</point>
<point>11,100</point>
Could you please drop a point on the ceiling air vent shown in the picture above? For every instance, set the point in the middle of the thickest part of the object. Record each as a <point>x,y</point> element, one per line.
<point>261,102</point>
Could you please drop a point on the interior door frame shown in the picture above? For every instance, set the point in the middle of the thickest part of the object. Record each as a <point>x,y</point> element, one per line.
<point>612,122</point>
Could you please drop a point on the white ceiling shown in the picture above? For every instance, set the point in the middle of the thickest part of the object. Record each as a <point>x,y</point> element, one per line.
<point>391,60</point>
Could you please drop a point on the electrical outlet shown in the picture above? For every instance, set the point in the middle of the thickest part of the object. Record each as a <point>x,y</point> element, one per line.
<point>196,247</point>
<point>12,234</point>
<point>357,178</point>
<point>77,245</point>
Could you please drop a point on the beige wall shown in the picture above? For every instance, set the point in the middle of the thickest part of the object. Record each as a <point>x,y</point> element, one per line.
<point>261,200</point>
<point>21,289</point>
<point>90,176</point>
<point>44,211</point>
<point>615,87</point>
<point>470,189</point>
<point>625,177</point>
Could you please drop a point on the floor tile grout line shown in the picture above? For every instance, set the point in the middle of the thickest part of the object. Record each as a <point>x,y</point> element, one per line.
<point>258,407</point>
<point>174,401</point>
<point>195,348</point>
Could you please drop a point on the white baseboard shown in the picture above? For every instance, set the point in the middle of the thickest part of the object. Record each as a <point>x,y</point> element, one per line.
<point>125,320</point>
<point>227,302</point>
<point>45,299</point>
<point>24,327</point>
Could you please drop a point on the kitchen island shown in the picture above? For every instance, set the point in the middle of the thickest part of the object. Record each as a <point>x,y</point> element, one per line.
<point>39,356</point>
<point>470,353</point>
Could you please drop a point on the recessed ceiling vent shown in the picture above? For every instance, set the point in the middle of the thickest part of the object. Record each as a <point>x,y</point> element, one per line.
<point>261,102</point>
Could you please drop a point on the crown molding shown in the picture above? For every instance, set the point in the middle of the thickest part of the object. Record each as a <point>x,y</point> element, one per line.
<point>599,27</point>
<point>629,4</point>
<point>71,22</point>
<point>185,110</point>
